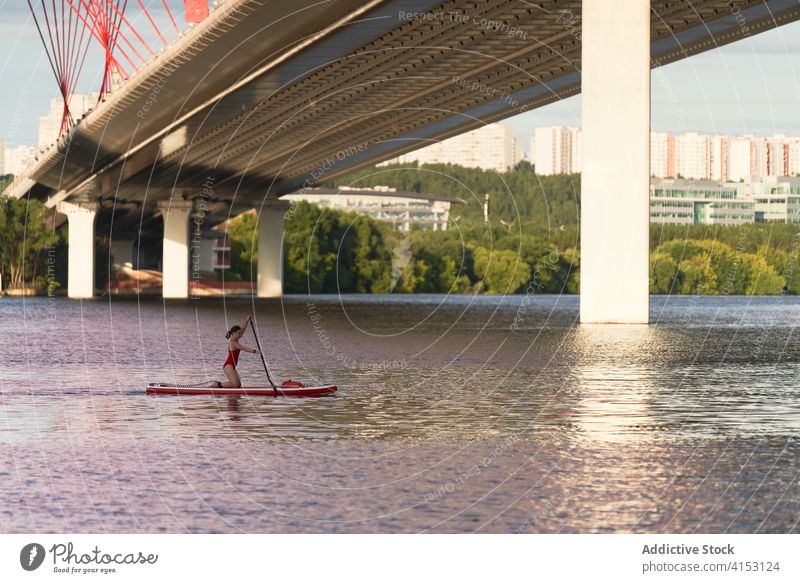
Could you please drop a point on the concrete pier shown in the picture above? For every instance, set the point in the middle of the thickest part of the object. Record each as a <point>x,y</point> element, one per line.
<point>80,254</point>
<point>270,249</point>
<point>176,248</point>
<point>615,214</point>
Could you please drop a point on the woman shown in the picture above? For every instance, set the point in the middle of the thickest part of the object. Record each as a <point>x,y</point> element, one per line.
<point>233,335</point>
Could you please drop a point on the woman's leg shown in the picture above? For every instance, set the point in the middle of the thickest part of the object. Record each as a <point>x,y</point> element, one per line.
<point>234,382</point>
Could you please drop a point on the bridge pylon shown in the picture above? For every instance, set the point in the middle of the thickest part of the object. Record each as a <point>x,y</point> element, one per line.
<point>615,181</point>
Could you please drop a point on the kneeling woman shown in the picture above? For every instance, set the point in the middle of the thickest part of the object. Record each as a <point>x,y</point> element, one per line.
<point>233,335</point>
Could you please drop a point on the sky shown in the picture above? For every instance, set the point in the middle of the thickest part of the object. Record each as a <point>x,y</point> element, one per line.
<point>751,86</point>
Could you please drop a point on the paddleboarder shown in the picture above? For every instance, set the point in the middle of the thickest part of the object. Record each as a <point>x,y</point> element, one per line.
<point>234,347</point>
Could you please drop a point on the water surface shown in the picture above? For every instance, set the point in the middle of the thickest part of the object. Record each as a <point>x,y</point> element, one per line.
<point>455,414</point>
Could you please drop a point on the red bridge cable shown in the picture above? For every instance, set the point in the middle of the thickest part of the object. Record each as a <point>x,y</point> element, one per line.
<point>135,32</point>
<point>66,47</point>
<point>169,13</point>
<point>150,18</point>
<point>93,28</point>
<point>77,73</point>
<point>111,33</point>
<point>116,27</point>
<point>41,36</point>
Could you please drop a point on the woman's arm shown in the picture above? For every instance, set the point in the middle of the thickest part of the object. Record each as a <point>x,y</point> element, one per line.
<point>237,346</point>
<point>248,349</point>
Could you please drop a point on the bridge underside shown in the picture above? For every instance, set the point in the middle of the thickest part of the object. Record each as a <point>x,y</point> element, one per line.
<point>267,97</point>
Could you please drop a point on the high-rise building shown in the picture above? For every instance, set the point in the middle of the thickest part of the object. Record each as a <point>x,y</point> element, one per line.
<point>741,158</point>
<point>2,157</point>
<point>557,150</point>
<point>691,156</point>
<point>777,155</point>
<point>491,147</point>
<point>50,124</point>
<point>718,158</point>
<point>794,157</point>
<point>761,159</point>
<point>662,155</point>
<point>17,159</point>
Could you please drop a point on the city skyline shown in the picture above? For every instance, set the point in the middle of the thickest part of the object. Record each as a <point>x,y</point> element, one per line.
<point>690,155</point>
<point>747,87</point>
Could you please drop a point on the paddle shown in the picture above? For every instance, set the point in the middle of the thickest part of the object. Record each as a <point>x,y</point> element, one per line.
<point>261,353</point>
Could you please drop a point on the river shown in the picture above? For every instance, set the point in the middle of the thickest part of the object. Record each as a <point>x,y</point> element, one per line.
<point>454,414</point>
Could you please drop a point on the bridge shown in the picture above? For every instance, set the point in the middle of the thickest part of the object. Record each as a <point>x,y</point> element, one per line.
<point>265,98</point>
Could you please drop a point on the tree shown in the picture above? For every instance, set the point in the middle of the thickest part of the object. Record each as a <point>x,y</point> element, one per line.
<point>24,235</point>
<point>244,246</point>
<point>665,277</point>
<point>501,272</point>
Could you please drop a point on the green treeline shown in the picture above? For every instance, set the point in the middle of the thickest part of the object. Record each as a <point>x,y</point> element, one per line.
<point>530,240</point>
<point>530,243</point>
<point>26,244</point>
<point>703,259</point>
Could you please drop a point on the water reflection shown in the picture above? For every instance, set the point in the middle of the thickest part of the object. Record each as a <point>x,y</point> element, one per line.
<point>585,428</point>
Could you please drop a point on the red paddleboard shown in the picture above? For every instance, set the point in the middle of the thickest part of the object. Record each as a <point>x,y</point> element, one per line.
<point>282,391</point>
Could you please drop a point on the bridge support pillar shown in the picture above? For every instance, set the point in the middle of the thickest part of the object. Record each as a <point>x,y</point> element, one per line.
<point>270,249</point>
<point>615,182</point>
<point>176,248</point>
<point>80,254</point>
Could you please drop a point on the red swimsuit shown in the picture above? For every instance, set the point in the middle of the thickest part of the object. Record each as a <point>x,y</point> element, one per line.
<point>233,358</point>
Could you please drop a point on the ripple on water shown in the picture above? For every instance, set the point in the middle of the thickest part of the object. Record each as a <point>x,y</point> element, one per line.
<point>446,419</point>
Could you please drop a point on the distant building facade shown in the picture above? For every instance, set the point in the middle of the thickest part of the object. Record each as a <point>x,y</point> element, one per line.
<point>689,155</point>
<point>50,124</point>
<point>689,202</point>
<point>662,154</point>
<point>401,211</point>
<point>776,199</point>
<point>17,159</point>
<point>491,147</point>
<point>557,150</point>
<point>707,202</point>
<point>692,156</point>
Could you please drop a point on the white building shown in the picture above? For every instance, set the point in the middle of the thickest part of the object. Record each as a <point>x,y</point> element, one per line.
<point>2,157</point>
<point>691,156</point>
<point>557,150</point>
<point>718,158</point>
<point>690,202</point>
<point>782,156</point>
<point>491,147</point>
<point>776,198</point>
<point>794,157</point>
<point>50,124</point>
<point>761,159</point>
<point>740,158</point>
<point>401,210</point>
<point>662,155</point>
<point>18,158</point>
<point>707,202</point>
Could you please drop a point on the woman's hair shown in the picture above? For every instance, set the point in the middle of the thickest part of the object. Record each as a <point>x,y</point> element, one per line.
<point>232,331</point>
